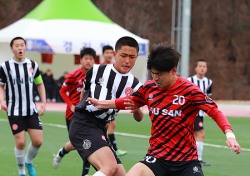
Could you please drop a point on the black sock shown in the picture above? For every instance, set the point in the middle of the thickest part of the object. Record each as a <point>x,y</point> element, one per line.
<point>86,166</point>
<point>63,152</point>
<point>113,141</point>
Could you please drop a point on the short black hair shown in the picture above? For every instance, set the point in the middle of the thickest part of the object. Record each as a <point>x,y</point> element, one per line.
<point>89,51</point>
<point>199,60</point>
<point>107,47</point>
<point>16,38</point>
<point>126,41</point>
<point>163,57</point>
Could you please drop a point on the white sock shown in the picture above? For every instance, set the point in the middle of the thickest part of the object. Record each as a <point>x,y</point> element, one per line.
<point>20,157</point>
<point>199,149</point>
<point>31,153</point>
<point>98,173</point>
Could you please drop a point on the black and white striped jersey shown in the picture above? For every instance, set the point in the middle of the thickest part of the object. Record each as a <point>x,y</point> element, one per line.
<point>205,84</point>
<point>104,82</point>
<point>19,79</point>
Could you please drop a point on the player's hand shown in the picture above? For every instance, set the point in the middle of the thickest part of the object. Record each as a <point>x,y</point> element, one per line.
<point>72,108</point>
<point>94,102</point>
<point>130,104</point>
<point>42,109</point>
<point>4,107</point>
<point>233,145</point>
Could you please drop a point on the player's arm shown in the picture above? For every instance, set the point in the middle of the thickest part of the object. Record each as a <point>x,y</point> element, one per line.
<point>102,104</point>
<point>3,80</point>
<point>82,94</point>
<point>225,126</point>
<point>42,93</point>
<point>86,85</point>
<point>206,104</point>
<point>138,114</point>
<point>2,98</point>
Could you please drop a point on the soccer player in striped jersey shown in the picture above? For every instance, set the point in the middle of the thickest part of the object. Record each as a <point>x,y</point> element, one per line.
<point>88,132</point>
<point>205,85</point>
<point>17,78</point>
<point>173,104</point>
<point>70,93</point>
<point>108,53</point>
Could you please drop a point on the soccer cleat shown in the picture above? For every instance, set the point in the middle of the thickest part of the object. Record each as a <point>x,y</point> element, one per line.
<point>121,152</point>
<point>22,175</point>
<point>57,159</point>
<point>203,163</point>
<point>31,169</point>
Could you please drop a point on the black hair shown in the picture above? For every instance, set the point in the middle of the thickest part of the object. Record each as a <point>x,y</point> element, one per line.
<point>89,51</point>
<point>107,47</point>
<point>16,38</point>
<point>163,57</point>
<point>199,60</point>
<point>126,41</point>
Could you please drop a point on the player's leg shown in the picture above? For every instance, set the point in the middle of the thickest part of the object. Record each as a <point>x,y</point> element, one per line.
<point>104,160</point>
<point>140,169</point>
<point>200,138</point>
<point>61,153</point>
<point>91,144</point>
<point>17,125</point>
<point>20,152</point>
<point>34,128</point>
<point>86,167</point>
<point>111,135</point>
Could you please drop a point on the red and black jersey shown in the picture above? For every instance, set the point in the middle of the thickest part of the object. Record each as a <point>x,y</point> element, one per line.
<point>172,112</point>
<point>71,89</point>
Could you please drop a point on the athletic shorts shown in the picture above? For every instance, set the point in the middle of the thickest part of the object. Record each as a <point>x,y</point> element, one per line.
<point>168,168</point>
<point>21,123</point>
<point>68,123</point>
<point>87,138</point>
<point>198,123</point>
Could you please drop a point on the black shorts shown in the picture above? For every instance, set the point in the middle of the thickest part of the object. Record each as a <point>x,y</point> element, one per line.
<point>21,123</point>
<point>87,138</point>
<point>198,123</point>
<point>68,123</point>
<point>168,168</point>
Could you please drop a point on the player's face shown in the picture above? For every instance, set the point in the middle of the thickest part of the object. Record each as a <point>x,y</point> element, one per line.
<point>125,59</point>
<point>108,56</point>
<point>87,61</point>
<point>18,48</point>
<point>163,79</point>
<point>201,68</point>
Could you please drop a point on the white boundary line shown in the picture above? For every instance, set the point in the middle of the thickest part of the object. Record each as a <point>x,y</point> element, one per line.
<point>135,135</point>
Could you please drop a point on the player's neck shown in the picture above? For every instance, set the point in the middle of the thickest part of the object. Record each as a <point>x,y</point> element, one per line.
<point>200,76</point>
<point>19,59</point>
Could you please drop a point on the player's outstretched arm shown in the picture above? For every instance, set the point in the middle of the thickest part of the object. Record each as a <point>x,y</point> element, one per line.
<point>102,104</point>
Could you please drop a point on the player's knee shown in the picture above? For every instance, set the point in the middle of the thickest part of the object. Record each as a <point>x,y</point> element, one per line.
<point>113,169</point>
<point>37,143</point>
<point>201,135</point>
<point>20,145</point>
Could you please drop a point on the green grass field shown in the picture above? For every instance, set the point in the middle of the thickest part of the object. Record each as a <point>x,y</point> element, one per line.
<point>131,136</point>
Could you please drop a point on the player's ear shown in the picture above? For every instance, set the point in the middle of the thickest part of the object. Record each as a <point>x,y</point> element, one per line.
<point>173,70</point>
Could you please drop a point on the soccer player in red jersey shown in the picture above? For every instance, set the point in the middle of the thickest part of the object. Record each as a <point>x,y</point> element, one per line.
<point>70,93</point>
<point>173,104</point>
<point>108,54</point>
